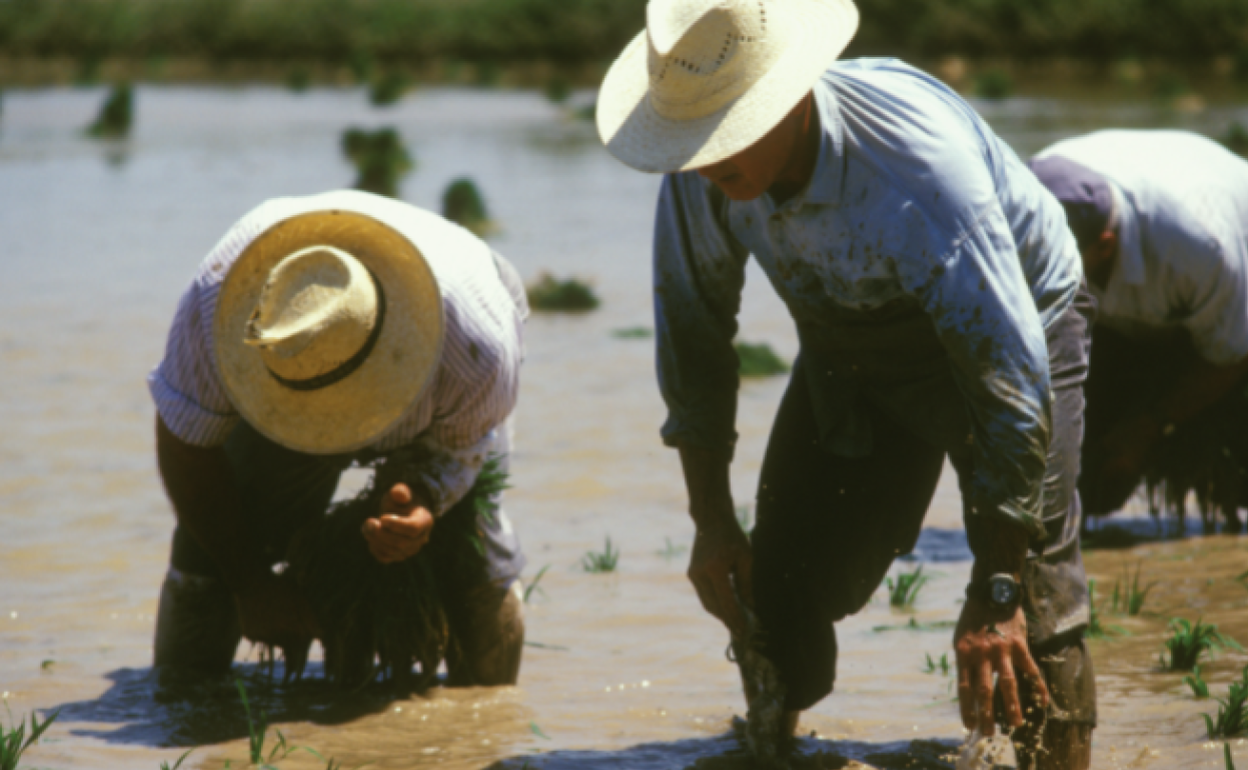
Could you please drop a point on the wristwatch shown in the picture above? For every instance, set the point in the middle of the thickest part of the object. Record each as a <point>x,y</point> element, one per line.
<point>1001,592</point>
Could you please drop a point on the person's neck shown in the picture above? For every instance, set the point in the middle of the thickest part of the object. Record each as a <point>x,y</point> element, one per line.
<point>800,166</point>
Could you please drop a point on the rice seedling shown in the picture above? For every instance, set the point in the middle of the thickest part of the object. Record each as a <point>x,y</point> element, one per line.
<point>994,84</point>
<point>670,550</point>
<point>1200,688</point>
<point>932,666</point>
<point>176,765</point>
<point>903,592</point>
<point>1128,598</point>
<point>1242,579</point>
<point>1097,628</point>
<point>605,561</point>
<point>1232,718</point>
<point>1226,754</point>
<point>550,294</point>
<point>758,360</point>
<point>533,728</point>
<point>633,333</point>
<point>116,115</point>
<point>463,204</point>
<point>388,89</point>
<point>14,741</point>
<point>533,586</point>
<point>1188,642</point>
<point>380,159</point>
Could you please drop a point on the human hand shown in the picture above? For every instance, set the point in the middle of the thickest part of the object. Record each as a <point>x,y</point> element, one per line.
<point>401,529</point>
<point>987,644</point>
<point>720,569</point>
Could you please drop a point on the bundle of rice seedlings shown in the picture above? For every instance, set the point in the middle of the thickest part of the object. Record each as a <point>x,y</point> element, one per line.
<point>551,294</point>
<point>463,204</point>
<point>1204,458</point>
<point>382,619</point>
<point>380,159</point>
<point>116,114</point>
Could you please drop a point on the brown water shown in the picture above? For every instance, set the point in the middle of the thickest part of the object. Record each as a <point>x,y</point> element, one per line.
<point>96,243</point>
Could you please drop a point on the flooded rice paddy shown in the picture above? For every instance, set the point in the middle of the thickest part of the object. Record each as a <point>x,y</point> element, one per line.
<point>97,240</point>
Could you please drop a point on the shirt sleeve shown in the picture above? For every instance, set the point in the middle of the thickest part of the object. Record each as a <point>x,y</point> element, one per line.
<point>699,272</point>
<point>186,386</point>
<point>476,391</point>
<point>986,319</point>
<point>1210,297</point>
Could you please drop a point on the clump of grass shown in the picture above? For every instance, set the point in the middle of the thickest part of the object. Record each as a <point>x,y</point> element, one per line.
<point>298,79</point>
<point>388,88</point>
<point>14,741</point>
<point>1236,138</point>
<point>903,593</point>
<point>557,88</point>
<point>116,115</point>
<point>1200,688</point>
<point>571,296</point>
<point>533,586</point>
<point>633,333</point>
<point>380,159</point>
<point>463,204</point>
<point>605,561</point>
<point>1232,718</point>
<point>1128,598</point>
<point>670,550</point>
<point>1188,642</point>
<point>994,84</point>
<point>758,360</point>
<point>176,765</point>
<point>932,666</point>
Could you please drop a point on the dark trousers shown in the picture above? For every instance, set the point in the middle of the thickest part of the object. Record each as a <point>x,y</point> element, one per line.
<point>829,528</point>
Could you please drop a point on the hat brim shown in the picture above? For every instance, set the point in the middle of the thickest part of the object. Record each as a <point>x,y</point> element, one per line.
<point>639,136</point>
<point>355,411</point>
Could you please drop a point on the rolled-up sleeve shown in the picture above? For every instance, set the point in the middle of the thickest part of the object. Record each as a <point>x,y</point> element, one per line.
<point>983,312</point>
<point>185,385</point>
<point>699,272</point>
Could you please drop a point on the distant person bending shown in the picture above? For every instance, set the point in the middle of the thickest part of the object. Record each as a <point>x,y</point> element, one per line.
<point>1161,218</point>
<point>320,331</point>
<point>937,297</point>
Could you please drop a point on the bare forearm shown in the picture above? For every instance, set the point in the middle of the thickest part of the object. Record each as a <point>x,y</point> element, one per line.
<point>710,494</point>
<point>200,485</point>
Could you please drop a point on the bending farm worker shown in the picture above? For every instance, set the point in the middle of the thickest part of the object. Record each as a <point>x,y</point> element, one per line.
<point>939,304</point>
<point>1162,223</point>
<point>322,331</point>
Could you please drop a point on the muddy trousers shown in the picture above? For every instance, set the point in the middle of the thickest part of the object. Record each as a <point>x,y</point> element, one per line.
<point>197,624</point>
<point>829,528</point>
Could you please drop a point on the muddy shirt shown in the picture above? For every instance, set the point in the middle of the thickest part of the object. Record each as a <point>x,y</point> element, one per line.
<point>1181,202</point>
<point>918,223</point>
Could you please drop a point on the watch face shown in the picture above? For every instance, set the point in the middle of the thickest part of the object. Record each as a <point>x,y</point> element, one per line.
<point>1003,592</point>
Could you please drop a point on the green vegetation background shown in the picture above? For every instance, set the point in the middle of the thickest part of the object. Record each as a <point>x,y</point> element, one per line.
<point>582,31</point>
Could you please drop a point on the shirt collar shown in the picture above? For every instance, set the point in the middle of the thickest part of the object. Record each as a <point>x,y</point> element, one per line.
<point>1130,267</point>
<point>826,181</point>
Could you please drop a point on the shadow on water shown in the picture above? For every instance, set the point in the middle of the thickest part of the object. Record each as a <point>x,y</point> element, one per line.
<point>726,752</point>
<point>159,708</point>
<point>1129,531</point>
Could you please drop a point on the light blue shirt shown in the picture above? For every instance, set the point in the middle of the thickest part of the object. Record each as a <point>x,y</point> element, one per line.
<point>915,210</point>
<point>1182,209</point>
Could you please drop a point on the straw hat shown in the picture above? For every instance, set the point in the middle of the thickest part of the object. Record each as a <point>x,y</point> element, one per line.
<point>328,328</point>
<point>708,78</point>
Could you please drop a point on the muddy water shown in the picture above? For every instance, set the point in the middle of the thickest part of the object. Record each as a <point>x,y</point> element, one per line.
<point>97,241</point>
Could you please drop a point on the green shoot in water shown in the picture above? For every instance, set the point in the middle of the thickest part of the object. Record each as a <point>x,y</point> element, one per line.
<point>552,294</point>
<point>14,741</point>
<point>1188,642</point>
<point>1232,718</point>
<point>258,731</point>
<point>670,550</point>
<point>176,765</point>
<point>596,562</point>
<point>1200,688</point>
<point>1097,629</point>
<point>905,590</point>
<point>1128,598</point>
<point>933,666</point>
<point>1226,754</point>
<point>633,333</point>
<point>531,587</point>
<point>758,360</point>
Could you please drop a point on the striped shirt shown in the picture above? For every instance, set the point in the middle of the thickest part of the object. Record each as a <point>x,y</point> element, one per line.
<point>461,415</point>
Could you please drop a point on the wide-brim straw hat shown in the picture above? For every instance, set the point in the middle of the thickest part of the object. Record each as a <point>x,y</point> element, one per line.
<point>363,391</point>
<point>708,78</point>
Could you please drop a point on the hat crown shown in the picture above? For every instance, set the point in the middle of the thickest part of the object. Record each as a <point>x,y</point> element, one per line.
<point>706,53</point>
<point>316,311</point>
